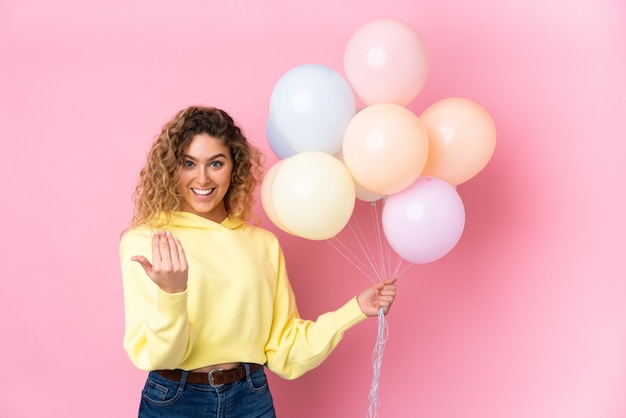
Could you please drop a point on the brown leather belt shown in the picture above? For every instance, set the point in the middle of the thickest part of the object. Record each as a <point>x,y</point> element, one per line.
<point>215,378</point>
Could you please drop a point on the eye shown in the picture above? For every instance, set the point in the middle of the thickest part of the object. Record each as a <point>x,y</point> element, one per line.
<point>216,164</point>
<point>188,163</point>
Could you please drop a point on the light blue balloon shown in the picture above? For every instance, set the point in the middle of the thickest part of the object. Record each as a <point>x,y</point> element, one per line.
<point>277,144</point>
<point>310,107</point>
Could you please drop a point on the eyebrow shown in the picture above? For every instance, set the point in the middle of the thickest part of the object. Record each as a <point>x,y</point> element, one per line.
<point>214,157</point>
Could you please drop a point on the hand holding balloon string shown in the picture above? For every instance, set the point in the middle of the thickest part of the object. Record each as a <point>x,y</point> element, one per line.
<point>378,297</point>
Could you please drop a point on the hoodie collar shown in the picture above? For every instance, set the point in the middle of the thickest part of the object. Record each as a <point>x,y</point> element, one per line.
<point>188,220</point>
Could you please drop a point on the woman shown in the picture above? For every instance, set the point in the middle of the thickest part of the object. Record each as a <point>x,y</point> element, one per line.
<point>207,300</point>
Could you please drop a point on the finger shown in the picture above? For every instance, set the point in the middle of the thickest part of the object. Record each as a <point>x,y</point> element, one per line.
<point>177,254</point>
<point>156,253</point>
<point>385,305</point>
<point>164,249</point>
<point>378,286</point>
<point>388,291</point>
<point>386,296</point>
<point>181,252</point>
<point>172,247</point>
<point>387,283</point>
<point>143,261</point>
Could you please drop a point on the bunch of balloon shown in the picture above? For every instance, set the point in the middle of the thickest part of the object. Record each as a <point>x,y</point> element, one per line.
<point>331,157</point>
<point>414,162</point>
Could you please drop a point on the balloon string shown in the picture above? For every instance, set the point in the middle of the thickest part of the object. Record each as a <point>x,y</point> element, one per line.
<point>398,272</point>
<point>375,271</point>
<point>379,240</point>
<point>367,267</point>
<point>365,247</point>
<point>378,270</point>
<point>385,248</point>
<point>351,257</point>
<point>377,361</point>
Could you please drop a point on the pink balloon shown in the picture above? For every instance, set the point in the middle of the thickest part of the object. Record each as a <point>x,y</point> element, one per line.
<point>423,222</point>
<point>385,61</point>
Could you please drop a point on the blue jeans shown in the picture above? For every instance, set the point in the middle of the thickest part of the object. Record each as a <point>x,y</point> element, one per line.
<point>246,398</point>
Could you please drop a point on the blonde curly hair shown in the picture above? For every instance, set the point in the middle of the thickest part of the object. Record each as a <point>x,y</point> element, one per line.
<point>157,191</point>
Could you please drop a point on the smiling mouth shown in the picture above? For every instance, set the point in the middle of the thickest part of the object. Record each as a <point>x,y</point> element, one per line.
<point>203,192</point>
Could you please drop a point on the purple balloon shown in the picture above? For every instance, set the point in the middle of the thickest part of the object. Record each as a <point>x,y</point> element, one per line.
<point>424,221</point>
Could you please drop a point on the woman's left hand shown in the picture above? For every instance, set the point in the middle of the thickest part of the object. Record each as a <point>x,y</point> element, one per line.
<point>381,295</point>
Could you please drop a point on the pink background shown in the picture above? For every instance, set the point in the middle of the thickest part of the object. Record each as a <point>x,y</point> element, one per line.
<point>526,317</point>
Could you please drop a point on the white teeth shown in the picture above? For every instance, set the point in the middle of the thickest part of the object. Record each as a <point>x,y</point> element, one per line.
<point>202,192</point>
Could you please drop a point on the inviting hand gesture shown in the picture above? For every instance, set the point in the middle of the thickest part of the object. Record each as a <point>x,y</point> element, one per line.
<point>169,263</point>
<point>381,295</point>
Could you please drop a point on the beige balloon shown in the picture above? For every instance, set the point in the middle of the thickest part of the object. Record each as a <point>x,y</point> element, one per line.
<point>266,196</point>
<point>313,195</point>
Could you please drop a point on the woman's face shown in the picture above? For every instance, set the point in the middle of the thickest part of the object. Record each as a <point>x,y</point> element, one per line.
<point>205,177</point>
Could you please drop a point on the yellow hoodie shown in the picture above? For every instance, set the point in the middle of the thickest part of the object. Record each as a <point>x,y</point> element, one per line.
<point>238,305</point>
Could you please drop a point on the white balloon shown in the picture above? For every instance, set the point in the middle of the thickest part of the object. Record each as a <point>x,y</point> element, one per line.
<point>277,144</point>
<point>310,107</point>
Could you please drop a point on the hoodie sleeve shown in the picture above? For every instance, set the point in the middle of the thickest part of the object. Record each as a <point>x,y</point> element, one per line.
<point>295,345</point>
<point>157,332</point>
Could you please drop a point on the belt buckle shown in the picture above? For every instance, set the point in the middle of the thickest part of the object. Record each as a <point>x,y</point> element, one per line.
<point>212,379</point>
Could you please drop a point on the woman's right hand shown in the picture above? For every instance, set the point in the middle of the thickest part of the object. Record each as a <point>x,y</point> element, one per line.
<point>169,263</point>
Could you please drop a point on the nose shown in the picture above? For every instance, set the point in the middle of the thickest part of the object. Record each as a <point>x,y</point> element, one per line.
<point>203,175</point>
